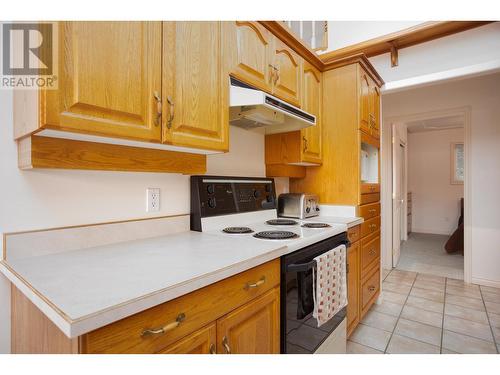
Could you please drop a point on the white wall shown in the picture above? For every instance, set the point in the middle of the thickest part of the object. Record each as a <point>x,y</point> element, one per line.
<point>482,94</point>
<point>470,51</point>
<point>435,201</point>
<point>345,33</point>
<point>51,198</point>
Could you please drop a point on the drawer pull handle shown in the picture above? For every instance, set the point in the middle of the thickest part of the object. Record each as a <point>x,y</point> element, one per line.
<point>372,226</point>
<point>372,188</point>
<point>372,210</point>
<point>212,349</point>
<point>225,344</point>
<point>255,285</point>
<point>170,326</point>
<point>371,288</point>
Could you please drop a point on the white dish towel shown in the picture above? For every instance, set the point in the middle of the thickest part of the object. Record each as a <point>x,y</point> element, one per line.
<point>329,284</point>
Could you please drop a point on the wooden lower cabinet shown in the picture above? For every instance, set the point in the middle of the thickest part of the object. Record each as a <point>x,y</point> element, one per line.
<point>352,287</point>
<point>202,341</point>
<point>253,328</point>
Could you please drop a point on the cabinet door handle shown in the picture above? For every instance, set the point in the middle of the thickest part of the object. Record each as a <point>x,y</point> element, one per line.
<point>256,284</point>
<point>158,108</point>
<point>371,252</point>
<point>225,344</point>
<point>170,326</point>
<point>211,349</point>
<point>171,115</point>
<point>371,288</point>
<point>305,144</point>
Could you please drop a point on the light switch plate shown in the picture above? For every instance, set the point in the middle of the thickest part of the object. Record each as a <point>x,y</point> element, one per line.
<point>152,199</point>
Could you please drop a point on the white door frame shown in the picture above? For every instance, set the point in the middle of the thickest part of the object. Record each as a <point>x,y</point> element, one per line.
<point>386,176</point>
<point>398,142</point>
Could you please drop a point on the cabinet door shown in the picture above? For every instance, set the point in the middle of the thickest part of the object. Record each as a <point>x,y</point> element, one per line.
<point>288,72</point>
<point>195,89</point>
<point>253,328</point>
<point>108,75</point>
<point>375,111</point>
<point>249,53</point>
<point>364,104</point>
<point>199,342</point>
<point>353,288</point>
<point>311,102</point>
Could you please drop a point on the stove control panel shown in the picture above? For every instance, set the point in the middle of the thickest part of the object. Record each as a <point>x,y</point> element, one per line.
<point>214,196</point>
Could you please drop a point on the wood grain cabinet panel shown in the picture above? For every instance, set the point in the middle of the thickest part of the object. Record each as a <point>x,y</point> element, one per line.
<point>249,55</point>
<point>369,291</point>
<point>108,75</point>
<point>288,72</point>
<point>195,89</point>
<point>370,252</point>
<point>202,341</point>
<point>368,211</point>
<point>364,101</point>
<point>353,287</point>
<point>370,226</point>
<point>311,102</point>
<point>253,328</point>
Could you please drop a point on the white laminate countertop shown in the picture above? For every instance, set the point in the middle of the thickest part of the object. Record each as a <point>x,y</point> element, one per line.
<point>82,290</point>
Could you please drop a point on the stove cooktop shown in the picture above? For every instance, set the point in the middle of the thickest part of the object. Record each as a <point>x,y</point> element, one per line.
<point>281,222</point>
<point>237,230</point>
<point>316,225</point>
<point>276,235</point>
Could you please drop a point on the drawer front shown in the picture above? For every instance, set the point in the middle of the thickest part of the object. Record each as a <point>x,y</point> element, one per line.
<point>354,234</point>
<point>370,251</point>
<point>369,210</point>
<point>370,226</point>
<point>182,315</point>
<point>369,198</point>
<point>370,188</point>
<point>370,288</point>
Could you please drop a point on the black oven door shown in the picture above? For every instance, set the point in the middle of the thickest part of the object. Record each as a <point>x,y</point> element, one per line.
<point>300,333</point>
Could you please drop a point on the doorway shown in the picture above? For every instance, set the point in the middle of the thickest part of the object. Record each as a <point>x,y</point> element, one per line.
<point>421,222</point>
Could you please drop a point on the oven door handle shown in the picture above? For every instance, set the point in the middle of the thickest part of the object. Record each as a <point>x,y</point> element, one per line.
<point>301,267</point>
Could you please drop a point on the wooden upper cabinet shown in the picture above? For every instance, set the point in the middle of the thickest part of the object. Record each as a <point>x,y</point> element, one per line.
<point>369,104</point>
<point>311,102</point>
<point>108,75</point>
<point>253,328</point>
<point>249,46</point>
<point>376,111</point>
<point>202,341</point>
<point>287,65</point>
<point>194,99</point>
<point>364,101</point>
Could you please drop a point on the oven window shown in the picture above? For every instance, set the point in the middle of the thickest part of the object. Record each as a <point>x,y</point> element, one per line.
<point>302,333</point>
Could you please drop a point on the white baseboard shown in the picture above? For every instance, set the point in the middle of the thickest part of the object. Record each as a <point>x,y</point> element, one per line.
<point>486,282</point>
<point>430,231</point>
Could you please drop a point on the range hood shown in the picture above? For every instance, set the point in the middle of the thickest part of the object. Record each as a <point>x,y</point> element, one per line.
<point>251,108</point>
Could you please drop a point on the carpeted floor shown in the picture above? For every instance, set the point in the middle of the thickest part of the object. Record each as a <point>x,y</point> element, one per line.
<point>425,253</point>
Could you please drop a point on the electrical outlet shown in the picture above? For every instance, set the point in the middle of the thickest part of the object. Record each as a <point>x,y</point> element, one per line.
<point>152,199</point>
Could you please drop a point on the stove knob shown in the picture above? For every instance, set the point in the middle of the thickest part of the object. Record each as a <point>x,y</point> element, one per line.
<point>212,202</point>
<point>256,193</point>
<point>317,208</point>
<point>269,198</point>
<point>308,209</point>
<point>210,189</point>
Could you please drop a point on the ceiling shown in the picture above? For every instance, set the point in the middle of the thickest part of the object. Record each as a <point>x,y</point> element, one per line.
<point>437,123</point>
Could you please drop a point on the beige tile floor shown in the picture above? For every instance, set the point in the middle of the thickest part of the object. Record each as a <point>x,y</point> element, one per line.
<point>427,314</point>
<point>425,253</point>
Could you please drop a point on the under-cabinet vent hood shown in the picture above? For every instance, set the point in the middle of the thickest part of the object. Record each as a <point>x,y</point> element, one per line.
<point>251,108</point>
